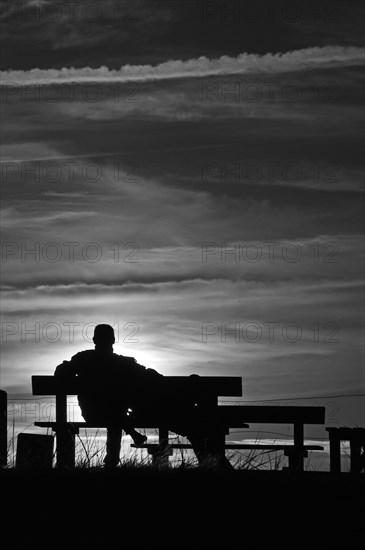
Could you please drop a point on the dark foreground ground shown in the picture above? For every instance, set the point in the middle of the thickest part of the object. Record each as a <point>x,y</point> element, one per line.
<point>181,509</point>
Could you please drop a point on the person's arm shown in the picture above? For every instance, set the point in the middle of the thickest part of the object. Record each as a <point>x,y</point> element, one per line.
<point>141,369</point>
<point>149,372</point>
<point>153,372</point>
<point>141,385</point>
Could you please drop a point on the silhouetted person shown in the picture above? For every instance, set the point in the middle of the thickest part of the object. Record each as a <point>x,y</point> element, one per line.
<point>111,385</point>
<point>105,391</point>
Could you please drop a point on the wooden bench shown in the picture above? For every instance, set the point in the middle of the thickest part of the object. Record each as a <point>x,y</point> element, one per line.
<point>297,416</point>
<point>206,388</point>
<point>210,388</point>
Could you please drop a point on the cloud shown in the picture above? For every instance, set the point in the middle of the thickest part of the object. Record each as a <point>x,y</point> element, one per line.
<point>10,219</point>
<point>26,151</point>
<point>245,63</point>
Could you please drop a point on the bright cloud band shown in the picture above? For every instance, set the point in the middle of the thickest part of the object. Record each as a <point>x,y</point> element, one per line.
<point>245,63</point>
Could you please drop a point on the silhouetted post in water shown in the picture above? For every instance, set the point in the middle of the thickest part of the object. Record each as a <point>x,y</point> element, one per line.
<point>3,428</point>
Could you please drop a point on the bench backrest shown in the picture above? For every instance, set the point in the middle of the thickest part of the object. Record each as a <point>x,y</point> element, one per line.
<point>213,386</point>
<point>225,386</point>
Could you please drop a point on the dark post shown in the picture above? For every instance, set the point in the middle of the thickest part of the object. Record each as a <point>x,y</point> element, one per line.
<point>216,445</point>
<point>355,454</point>
<point>335,450</point>
<point>65,437</point>
<point>296,460</point>
<point>3,429</point>
<point>362,461</point>
<point>162,452</point>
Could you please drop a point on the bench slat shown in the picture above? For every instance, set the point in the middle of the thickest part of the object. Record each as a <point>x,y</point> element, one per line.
<point>242,446</point>
<point>224,386</point>
<point>147,423</point>
<point>236,416</point>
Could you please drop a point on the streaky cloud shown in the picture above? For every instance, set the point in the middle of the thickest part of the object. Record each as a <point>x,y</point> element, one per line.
<point>245,63</point>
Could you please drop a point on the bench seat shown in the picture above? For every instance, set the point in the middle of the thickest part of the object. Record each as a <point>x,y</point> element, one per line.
<point>242,446</point>
<point>148,424</point>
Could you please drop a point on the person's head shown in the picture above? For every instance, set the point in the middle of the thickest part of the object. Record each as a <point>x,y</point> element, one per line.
<point>104,337</point>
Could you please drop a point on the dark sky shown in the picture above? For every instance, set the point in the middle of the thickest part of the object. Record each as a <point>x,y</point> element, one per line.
<point>61,34</point>
<point>170,125</point>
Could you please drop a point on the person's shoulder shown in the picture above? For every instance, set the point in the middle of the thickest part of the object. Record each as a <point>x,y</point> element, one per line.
<point>136,367</point>
<point>83,355</point>
<point>130,362</point>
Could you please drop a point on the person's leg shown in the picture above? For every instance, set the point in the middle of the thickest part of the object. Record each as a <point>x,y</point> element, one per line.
<point>209,449</point>
<point>198,442</point>
<point>215,450</point>
<point>138,438</point>
<point>207,437</point>
<point>127,424</point>
<point>95,415</point>
<point>113,442</point>
<point>188,427</point>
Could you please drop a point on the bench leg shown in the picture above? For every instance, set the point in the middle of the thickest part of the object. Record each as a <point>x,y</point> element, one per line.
<point>65,438</point>
<point>362,460</point>
<point>160,455</point>
<point>113,444</point>
<point>296,458</point>
<point>296,462</point>
<point>335,453</point>
<point>216,447</point>
<point>297,454</point>
<point>65,449</point>
<point>355,456</point>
